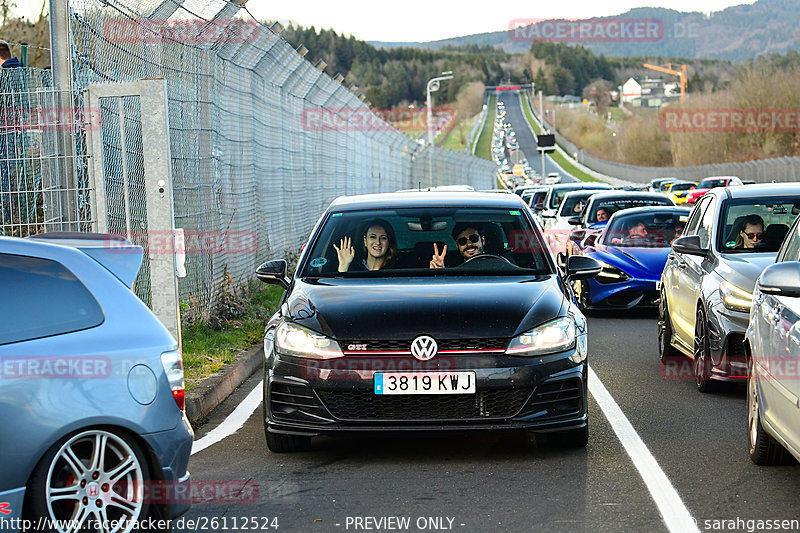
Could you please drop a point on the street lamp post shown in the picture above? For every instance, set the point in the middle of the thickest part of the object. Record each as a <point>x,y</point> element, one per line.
<point>433,86</point>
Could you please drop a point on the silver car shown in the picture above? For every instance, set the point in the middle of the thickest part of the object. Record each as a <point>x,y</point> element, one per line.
<point>773,349</point>
<point>732,235</point>
<point>91,388</point>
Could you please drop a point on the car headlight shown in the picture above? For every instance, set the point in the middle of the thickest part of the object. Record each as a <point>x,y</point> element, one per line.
<point>291,339</point>
<point>735,298</point>
<point>611,274</point>
<point>555,336</point>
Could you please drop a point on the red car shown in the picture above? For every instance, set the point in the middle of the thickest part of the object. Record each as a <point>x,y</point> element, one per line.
<point>709,183</point>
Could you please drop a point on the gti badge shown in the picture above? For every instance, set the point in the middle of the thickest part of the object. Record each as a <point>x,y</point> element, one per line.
<point>424,348</point>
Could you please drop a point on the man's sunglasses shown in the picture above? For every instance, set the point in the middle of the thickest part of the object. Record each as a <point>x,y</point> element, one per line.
<point>461,241</point>
<point>753,236</point>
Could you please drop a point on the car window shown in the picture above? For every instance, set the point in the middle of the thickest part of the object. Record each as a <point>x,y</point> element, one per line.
<point>790,250</point>
<point>696,216</point>
<point>414,234</point>
<point>573,204</point>
<point>768,218</point>
<point>644,230</point>
<point>55,301</point>
<point>557,195</point>
<point>706,227</point>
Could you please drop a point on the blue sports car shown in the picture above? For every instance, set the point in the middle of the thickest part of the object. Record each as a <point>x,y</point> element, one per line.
<point>632,249</point>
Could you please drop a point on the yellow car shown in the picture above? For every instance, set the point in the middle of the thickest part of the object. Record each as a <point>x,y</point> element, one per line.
<point>679,190</point>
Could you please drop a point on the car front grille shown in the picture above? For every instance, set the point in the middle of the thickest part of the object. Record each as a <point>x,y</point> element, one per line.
<point>367,406</point>
<point>456,345</point>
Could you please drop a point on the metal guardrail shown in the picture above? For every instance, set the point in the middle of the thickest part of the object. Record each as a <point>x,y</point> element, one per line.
<point>782,169</point>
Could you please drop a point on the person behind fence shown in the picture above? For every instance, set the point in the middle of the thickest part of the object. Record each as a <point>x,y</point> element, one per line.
<point>9,61</point>
<point>380,247</point>
<point>10,87</point>
<point>469,240</point>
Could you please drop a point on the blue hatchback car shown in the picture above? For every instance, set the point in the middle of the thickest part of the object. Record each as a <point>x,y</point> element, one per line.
<point>91,388</point>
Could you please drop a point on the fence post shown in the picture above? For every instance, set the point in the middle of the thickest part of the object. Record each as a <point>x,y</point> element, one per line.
<point>158,198</point>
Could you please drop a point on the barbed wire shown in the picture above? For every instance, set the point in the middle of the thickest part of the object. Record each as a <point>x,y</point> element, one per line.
<point>9,43</point>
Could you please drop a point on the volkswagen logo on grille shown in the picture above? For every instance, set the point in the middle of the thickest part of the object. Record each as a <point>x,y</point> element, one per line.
<point>424,348</point>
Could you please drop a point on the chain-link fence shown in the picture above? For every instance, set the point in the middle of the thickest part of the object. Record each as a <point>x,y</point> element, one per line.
<point>253,148</point>
<point>35,195</point>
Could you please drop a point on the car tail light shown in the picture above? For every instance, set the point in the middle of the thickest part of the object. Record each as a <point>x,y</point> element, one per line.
<point>173,368</point>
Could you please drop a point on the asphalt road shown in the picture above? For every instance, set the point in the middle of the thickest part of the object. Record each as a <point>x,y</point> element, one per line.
<point>526,138</point>
<point>488,483</point>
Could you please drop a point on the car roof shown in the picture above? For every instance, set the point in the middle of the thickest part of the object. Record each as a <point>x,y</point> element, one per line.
<point>599,197</point>
<point>758,189</point>
<point>426,199</point>
<point>581,185</point>
<point>652,209</point>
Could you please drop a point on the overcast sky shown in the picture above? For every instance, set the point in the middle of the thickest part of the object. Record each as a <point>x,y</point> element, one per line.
<point>429,20</point>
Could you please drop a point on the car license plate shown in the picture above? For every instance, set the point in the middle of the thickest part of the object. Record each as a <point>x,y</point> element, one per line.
<point>425,383</point>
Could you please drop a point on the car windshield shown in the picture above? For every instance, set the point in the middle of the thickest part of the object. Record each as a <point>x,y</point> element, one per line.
<point>756,224</point>
<point>682,187</point>
<point>645,230</point>
<point>558,195</point>
<point>711,183</point>
<point>511,244</point>
<point>538,197</point>
<point>612,205</point>
<point>574,203</point>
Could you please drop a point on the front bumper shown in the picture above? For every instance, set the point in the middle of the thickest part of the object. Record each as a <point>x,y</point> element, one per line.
<point>726,330</point>
<point>545,393</point>
<point>624,295</point>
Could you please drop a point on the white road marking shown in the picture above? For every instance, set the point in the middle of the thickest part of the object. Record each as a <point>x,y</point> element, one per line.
<point>676,516</point>
<point>669,503</point>
<point>233,422</point>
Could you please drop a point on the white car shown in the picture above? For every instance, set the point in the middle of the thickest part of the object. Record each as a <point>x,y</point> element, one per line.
<point>557,228</point>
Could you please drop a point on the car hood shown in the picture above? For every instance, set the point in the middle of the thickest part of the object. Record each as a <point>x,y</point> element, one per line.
<point>645,263</point>
<point>743,270</point>
<point>402,308</point>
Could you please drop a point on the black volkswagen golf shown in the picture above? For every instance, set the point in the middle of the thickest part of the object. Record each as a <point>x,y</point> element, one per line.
<point>423,311</point>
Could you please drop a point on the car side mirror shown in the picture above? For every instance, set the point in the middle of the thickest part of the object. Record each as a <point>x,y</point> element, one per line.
<point>577,235</point>
<point>590,239</point>
<point>274,272</point>
<point>781,279</point>
<point>689,245</point>
<point>574,221</point>
<point>582,267</point>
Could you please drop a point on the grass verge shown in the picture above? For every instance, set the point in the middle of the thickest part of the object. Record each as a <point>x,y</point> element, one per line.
<point>207,347</point>
<point>556,156</point>
<point>485,138</point>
